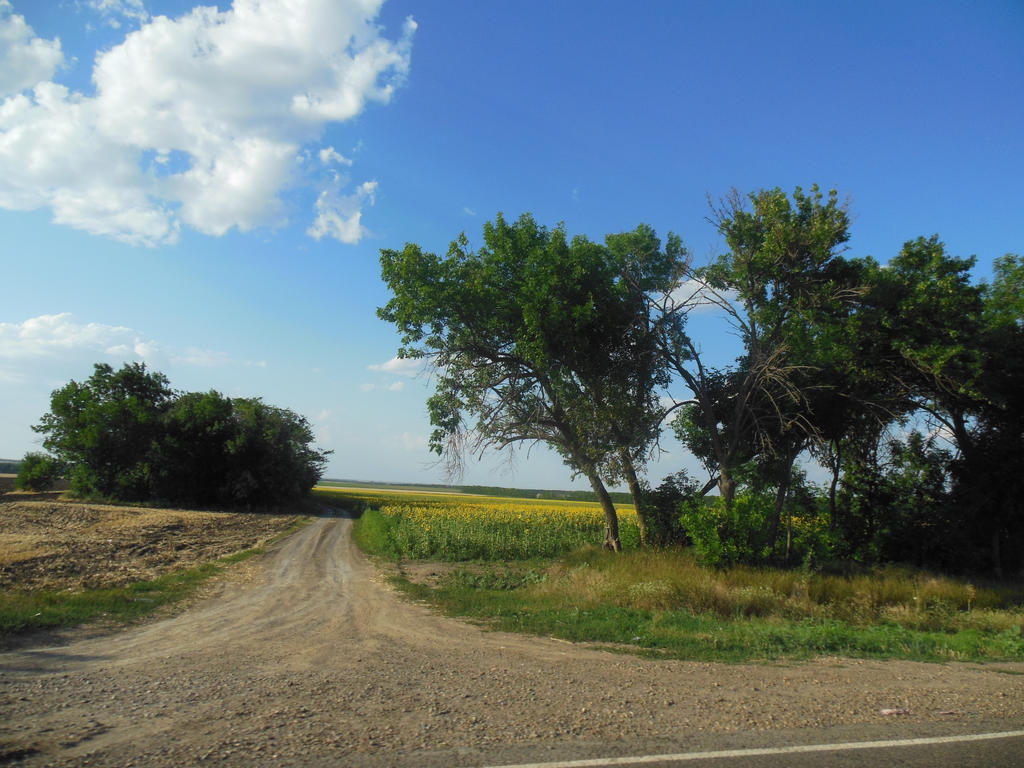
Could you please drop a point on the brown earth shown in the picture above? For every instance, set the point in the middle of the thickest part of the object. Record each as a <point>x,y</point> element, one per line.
<point>46,543</point>
<point>313,661</point>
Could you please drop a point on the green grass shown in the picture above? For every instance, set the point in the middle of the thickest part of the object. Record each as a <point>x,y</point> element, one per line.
<point>23,611</point>
<point>665,604</point>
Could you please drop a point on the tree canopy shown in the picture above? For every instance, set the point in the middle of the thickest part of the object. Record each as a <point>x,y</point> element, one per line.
<point>902,379</point>
<point>537,338</point>
<point>126,435</point>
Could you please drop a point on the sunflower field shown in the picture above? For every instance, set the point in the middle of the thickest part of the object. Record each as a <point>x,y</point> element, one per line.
<point>467,527</point>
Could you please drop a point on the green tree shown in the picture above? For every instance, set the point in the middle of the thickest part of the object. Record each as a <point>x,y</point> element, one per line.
<point>103,429</point>
<point>929,349</point>
<point>536,338</point>
<point>923,322</point>
<point>126,435</point>
<point>898,505</point>
<point>780,278</point>
<point>269,455</point>
<point>190,460</point>
<point>989,478</point>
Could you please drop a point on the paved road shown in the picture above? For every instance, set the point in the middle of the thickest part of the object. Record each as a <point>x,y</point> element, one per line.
<point>303,657</point>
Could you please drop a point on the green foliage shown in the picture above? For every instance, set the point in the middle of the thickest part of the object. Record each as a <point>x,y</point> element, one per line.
<point>1004,298</point>
<point>190,459</point>
<point>373,533</point>
<point>126,435</point>
<point>727,534</point>
<point>269,455</point>
<point>102,429</point>
<point>663,505</point>
<point>664,604</point>
<point>895,507</point>
<point>538,338</point>
<point>779,286</point>
<point>37,472</point>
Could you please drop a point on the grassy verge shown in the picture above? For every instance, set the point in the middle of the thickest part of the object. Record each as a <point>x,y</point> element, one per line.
<point>23,611</point>
<point>663,604</point>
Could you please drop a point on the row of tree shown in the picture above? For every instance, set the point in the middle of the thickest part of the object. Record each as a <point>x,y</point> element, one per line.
<point>904,380</point>
<point>127,435</point>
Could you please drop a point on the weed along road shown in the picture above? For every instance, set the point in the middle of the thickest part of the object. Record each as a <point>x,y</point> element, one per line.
<point>302,656</point>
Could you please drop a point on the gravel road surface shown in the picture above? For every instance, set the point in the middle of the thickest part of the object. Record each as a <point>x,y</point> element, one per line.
<point>303,657</point>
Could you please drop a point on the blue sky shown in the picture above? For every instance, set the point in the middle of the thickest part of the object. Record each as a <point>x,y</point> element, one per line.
<point>207,190</point>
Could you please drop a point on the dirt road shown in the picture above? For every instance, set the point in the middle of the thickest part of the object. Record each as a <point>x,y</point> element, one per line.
<point>304,658</point>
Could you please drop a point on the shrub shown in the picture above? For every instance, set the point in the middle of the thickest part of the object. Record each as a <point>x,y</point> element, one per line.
<point>662,505</point>
<point>38,472</point>
<point>726,535</point>
<point>127,435</point>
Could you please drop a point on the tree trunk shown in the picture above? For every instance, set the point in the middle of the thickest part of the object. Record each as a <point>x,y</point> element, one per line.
<point>785,477</point>
<point>726,485</point>
<point>780,504</point>
<point>611,517</point>
<point>997,560</point>
<point>637,493</point>
<point>837,460</point>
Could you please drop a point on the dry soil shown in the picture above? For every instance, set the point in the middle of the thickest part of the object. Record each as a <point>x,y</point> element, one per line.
<point>304,657</point>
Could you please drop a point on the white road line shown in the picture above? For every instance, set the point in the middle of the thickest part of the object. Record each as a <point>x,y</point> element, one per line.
<point>686,756</point>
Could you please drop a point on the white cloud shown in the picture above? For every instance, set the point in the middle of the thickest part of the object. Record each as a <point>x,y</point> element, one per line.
<point>413,443</point>
<point>202,358</point>
<point>401,366</point>
<point>60,339</point>
<point>340,216</point>
<point>53,335</point>
<point>234,95</point>
<point>25,60</point>
<point>330,156</point>
<point>699,297</point>
<point>394,386</point>
<point>133,10</point>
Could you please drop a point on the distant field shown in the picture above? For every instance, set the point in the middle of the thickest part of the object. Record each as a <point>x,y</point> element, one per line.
<point>385,487</point>
<point>619,497</point>
<point>460,526</point>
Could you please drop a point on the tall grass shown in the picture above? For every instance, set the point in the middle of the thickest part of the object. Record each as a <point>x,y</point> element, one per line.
<point>672,580</point>
<point>665,602</point>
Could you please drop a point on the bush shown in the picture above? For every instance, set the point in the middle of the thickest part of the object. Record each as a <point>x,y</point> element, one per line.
<point>727,535</point>
<point>38,472</point>
<point>662,506</point>
<point>127,435</point>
